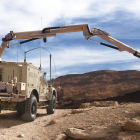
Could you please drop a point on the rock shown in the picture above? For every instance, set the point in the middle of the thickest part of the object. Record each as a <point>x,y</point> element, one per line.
<point>123,136</point>
<point>69,138</point>
<point>104,103</point>
<point>85,105</point>
<point>4,133</point>
<point>33,138</point>
<point>97,104</point>
<point>66,115</point>
<point>90,134</point>
<point>61,137</point>
<point>132,125</point>
<point>126,111</point>
<point>21,136</point>
<point>53,122</point>
<point>74,111</point>
<point>128,135</point>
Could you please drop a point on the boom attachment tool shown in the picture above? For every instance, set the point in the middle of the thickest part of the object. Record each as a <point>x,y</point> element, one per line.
<point>53,31</point>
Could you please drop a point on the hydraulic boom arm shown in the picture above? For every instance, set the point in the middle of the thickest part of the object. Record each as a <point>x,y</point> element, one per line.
<point>53,31</point>
<point>120,46</point>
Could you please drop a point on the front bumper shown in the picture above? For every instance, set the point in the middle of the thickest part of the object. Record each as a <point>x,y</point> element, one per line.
<point>12,97</point>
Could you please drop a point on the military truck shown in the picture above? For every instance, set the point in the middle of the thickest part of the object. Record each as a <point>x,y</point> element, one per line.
<point>21,86</point>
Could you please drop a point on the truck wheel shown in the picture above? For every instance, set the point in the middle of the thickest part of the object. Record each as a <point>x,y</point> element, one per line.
<point>20,107</point>
<point>52,104</point>
<point>30,109</point>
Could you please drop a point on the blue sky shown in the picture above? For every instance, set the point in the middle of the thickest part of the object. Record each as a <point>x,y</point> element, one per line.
<point>72,52</point>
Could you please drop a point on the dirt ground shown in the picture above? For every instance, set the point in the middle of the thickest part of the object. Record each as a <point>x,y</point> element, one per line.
<point>11,125</point>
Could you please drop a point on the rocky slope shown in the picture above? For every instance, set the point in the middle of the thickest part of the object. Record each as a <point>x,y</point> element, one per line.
<point>99,85</point>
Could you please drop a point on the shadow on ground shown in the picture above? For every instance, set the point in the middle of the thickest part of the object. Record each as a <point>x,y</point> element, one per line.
<point>10,119</point>
<point>129,97</point>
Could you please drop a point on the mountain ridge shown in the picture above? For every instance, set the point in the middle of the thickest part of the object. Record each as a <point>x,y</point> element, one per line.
<point>97,85</point>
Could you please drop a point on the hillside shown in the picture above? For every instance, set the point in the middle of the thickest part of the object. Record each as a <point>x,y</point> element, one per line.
<point>99,85</point>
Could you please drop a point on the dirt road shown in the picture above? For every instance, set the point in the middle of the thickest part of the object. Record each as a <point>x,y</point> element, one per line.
<point>11,125</point>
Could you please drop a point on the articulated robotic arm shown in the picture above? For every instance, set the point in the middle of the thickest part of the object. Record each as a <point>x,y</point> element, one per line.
<point>120,46</point>
<point>53,31</point>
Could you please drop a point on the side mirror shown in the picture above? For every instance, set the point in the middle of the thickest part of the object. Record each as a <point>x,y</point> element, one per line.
<point>45,40</point>
<point>52,80</point>
<point>44,74</point>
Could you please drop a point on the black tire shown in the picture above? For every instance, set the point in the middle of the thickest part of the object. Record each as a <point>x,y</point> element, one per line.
<point>30,109</point>
<point>20,107</point>
<point>52,105</point>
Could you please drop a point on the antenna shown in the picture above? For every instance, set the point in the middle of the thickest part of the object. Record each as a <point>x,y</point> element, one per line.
<point>50,67</point>
<point>17,53</point>
<point>40,45</point>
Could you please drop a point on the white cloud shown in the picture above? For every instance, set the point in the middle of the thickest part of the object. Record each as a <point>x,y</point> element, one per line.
<point>67,59</point>
<point>26,15</point>
<point>73,57</point>
<point>134,66</point>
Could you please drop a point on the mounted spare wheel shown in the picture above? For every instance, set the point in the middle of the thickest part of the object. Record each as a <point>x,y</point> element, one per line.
<point>52,105</point>
<point>20,107</point>
<point>30,109</point>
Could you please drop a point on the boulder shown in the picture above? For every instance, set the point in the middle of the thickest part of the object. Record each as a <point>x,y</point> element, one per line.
<point>53,122</point>
<point>96,133</point>
<point>61,137</point>
<point>97,104</point>
<point>85,105</point>
<point>132,125</point>
<point>104,103</point>
<point>74,111</point>
<point>128,135</point>
<point>21,136</point>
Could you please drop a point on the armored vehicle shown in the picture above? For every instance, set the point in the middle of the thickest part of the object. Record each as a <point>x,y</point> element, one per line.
<point>22,87</point>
